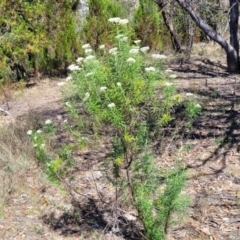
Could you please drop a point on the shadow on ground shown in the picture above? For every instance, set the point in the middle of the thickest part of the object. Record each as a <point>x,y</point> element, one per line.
<point>88,218</point>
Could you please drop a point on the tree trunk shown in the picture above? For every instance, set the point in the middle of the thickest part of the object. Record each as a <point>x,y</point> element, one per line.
<point>190,37</point>
<point>231,49</point>
<point>233,24</point>
<point>175,41</point>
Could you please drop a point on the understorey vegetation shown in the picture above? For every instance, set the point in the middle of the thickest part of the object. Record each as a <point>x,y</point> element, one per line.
<point>130,94</point>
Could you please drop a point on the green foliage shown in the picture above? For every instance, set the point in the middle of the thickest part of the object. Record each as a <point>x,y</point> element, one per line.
<point>54,164</point>
<point>60,28</point>
<point>36,34</point>
<point>96,29</point>
<point>55,170</point>
<point>157,198</point>
<point>147,24</point>
<point>125,90</point>
<point>119,88</point>
<point>21,33</point>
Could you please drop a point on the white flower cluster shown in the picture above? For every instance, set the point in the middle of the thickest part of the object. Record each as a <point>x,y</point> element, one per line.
<point>158,56</point>
<point>74,67</point>
<point>189,94</point>
<point>68,104</point>
<point>61,83</point>
<point>113,51</point>
<point>29,132</point>
<point>198,106</point>
<point>48,121</point>
<point>69,78</point>
<point>144,49</point>
<point>118,20</point>
<point>134,50</point>
<point>88,50</point>
<point>173,76</point>
<point>89,74</point>
<point>88,58</point>
<point>79,60</point>
<point>137,42</point>
<point>102,89</point>
<point>150,69</point>
<point>131,60</point>
<point>111,105</point>
<point>87,95</point>
<point>102,46</point>
<point>86,46</point>
<point>168,84</point>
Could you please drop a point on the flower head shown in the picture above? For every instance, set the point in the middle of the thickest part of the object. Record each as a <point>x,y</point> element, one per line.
<point>48,121</point>
<point>68,78</point>
<point>114,53</point>
<point>134,50</point>
<point>85,46</point>
<point>89,74</point>
<point>131,60</point>
<point>102,46</point>
<point>112,50</point>
<point>189,94</point>
<point>42,145</point>
<point>89,57</point>
<point>168,84</point>
<point>88,50</point>
<point>87,95</point>
<point>198,105</point>
<point>158,56</point>
<point>102,89</point>
<point>144,49</point>
<point>119,84</point>
<point>67,104</point>
<point>74,67</point>
<point>39,131</point>
<point>61,83</point>
<point>114,20</point>
<point>137,41</point>
<point>29,132</point>
<point>123,21</point>
<point>80,59</point>
<point>111,105</point>
<point>173,76</point>
<point>120,36</point>
<point>150,69</point>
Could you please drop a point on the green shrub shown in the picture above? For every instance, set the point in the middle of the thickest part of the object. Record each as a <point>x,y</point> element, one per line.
<point>96,29</point>
<point>125,89</point>
<point>38,35</point>
<point>147,24</point>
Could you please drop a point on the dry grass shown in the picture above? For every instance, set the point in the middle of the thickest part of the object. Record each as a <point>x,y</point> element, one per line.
<point>25,193</point>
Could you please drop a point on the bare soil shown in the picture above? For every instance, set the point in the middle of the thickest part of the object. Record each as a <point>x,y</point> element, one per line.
<point>81,207</point>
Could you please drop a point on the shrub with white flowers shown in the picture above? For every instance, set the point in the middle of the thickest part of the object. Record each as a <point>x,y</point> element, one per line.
<point>121,87</point>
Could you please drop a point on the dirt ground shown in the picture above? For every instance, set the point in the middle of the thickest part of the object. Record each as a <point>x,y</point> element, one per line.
<point>210,152</point>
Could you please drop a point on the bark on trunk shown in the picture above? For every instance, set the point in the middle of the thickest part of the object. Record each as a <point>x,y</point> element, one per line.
<point>190,36</point>
<point>231,50</point>
<point>175,41</point>
<point>233,24</point>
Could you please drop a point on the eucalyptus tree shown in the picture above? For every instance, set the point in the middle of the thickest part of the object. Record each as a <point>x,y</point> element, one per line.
<point>231,48</point>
